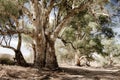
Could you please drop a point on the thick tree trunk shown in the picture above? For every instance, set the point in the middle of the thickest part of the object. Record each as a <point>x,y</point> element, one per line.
<point>20,59</point>
<point>51,61</point>
<point>45,54</point>
<point>39,60</point>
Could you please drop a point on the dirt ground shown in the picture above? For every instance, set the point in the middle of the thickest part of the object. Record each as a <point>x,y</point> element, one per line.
<point>66,73</point>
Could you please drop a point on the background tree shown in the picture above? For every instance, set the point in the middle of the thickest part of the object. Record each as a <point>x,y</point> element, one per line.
<point>83,35</point>
<point>9,20</point>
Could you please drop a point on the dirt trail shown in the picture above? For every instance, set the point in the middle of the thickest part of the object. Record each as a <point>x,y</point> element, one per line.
<point>67,73</point>
<point>93,73</point>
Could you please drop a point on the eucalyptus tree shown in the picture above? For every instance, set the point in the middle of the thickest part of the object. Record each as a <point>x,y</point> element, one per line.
<point>9,26</point>
<point>83,35</point>
<point>40,14</point>
<point>44,35</point>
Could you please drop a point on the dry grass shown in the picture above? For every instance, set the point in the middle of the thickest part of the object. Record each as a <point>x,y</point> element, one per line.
<point>67,73</point>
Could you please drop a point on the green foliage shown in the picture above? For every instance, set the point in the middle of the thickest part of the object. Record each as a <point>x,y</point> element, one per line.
<point>108,32</point>
<point>111,49</point>
<point>103,19</point>
<point>22,1</point>
<point>9,7</point>
<point>69,34</point>
<point>79,33</point>
<point>98,46</point>
<point>80,20</point>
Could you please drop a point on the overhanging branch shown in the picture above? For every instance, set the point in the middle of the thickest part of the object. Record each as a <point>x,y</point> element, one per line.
<point>15,32</point>
<point>66,42</point>
<point>4,46</point>
<point>67,17</point>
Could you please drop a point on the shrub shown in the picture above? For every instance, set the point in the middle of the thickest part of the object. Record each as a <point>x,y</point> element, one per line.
<point>6,61</point>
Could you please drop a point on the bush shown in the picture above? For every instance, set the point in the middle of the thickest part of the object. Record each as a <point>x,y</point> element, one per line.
<point>6,61</point>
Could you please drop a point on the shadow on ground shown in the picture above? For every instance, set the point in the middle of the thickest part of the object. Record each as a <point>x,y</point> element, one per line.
<point>66,73</point>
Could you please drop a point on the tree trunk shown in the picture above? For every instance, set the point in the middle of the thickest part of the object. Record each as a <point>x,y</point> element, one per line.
<point>51,61</point>
<point>40,52</point>
<point>77,61</point>
<point>20,59</point>
<point>45,53</point>
<point>34,51</point>
<point>18,54</point>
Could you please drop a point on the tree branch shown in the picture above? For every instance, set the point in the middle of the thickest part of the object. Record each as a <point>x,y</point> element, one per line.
<point>7,47</point>
<point>50,7</point>
<point>11,32</point>
<point>65,42</point>
<point>67,17</point>
<point>27,12</point>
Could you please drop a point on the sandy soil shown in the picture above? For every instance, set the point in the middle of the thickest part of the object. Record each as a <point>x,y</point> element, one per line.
<point>67,73</point>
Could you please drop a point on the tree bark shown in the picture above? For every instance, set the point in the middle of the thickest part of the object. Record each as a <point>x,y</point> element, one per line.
<point>45,53</point>
<point>18,54</point>
<point>20,59</point>
<point>40,51</point>
<point>34,51</point>
<point>51,61</point>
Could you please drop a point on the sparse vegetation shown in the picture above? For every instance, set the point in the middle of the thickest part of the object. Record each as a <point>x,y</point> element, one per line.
<point>67,37</point>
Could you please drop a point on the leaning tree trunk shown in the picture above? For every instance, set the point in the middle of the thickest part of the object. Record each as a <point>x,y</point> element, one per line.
<point>45,53</point>
<point>20,59</point>
<point>18,54</point>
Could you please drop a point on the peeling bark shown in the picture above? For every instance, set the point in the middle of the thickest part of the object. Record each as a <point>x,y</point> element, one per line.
<point>45,51</point>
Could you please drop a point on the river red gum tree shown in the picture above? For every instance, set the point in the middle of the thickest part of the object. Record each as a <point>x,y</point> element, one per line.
<point>39,14</point>
<point>45,37</point>
<point>10,14</point>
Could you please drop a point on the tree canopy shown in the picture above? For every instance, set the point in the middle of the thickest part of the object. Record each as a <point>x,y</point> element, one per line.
<point>80,22</point>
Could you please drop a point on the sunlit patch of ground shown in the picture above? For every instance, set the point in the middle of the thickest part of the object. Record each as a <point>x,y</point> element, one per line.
<point>67,73</point>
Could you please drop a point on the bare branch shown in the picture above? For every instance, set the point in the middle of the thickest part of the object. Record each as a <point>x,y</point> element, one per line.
<point>4,46</point>
<point>66,42</point>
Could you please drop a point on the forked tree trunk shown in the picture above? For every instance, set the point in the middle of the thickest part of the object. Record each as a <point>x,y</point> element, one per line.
<point>45,54</point>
